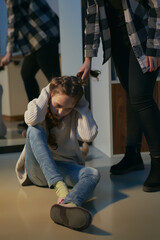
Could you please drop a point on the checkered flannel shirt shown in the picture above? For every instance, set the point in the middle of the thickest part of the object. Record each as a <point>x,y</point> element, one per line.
<point>31,24</point>
<point>142,19</point>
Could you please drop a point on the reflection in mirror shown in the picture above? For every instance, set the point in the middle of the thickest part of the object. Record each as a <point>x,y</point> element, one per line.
<point>13,98</point>
<point>10,138</point>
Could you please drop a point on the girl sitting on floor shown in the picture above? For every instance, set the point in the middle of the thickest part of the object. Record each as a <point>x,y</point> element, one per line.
<point>56,120</point>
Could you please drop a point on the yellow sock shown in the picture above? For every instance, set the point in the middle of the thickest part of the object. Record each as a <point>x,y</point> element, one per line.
<point>71,204</point>
<point>61,189</point>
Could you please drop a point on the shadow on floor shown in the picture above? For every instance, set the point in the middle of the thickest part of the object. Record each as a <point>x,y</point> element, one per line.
<point>110,190</point>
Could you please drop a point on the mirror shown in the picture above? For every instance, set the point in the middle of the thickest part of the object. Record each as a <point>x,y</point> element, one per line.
<point>10,139</point>
<point>13,97</point>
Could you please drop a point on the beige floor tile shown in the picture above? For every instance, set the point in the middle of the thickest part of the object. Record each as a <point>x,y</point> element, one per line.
<point>121,210</point>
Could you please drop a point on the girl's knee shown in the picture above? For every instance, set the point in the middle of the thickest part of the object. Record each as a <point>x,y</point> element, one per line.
<point>96,175</point>
<point>92,173</point>
<point>34,130</point>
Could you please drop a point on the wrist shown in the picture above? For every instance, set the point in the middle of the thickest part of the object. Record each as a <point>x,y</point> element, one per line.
<point>9,54</point>
<point>88,59</point>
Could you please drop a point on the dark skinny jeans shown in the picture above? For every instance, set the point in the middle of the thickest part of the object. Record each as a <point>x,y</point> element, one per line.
<point>142,112</point>
<point>46,59</point>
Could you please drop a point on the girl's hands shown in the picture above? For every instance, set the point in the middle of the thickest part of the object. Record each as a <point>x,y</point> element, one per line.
<point>152,62</point>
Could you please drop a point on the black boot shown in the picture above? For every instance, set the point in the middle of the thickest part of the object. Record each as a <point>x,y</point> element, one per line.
<point>152,183</point>
<point>131,161</point>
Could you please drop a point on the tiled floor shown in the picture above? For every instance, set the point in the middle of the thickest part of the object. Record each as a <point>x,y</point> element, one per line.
<point>121,210</point>
<point>13,140</point>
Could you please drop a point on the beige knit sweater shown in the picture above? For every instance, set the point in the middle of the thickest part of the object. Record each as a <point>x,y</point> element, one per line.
<point>77,125</point>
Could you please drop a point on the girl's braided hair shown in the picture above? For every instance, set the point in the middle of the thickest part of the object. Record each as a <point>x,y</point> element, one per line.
<point>68,85</point>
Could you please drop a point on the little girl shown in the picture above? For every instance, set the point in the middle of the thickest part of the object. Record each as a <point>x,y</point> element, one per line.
<point>56,120</point>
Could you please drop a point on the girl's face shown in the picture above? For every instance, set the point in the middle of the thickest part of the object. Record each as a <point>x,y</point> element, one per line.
<point>61,105</point>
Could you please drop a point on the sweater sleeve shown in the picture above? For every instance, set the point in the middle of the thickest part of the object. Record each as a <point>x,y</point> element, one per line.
<point>153,41</point>
<point>37,108</point>
<point>86,126</point>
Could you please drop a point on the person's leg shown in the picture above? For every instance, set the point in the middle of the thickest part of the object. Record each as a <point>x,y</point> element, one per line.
<point>28,72</point>
<point>40,165</point>
<point>134,129</point>
<point>42,170</point>
<point>132,159</point>
<point>3,129</point>
<point>83,180</point>
<point>48,60</point>
<point>141,87</point>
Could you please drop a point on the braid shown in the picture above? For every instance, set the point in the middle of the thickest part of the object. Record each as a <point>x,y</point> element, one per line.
<point>84,82</point>
<point>68,85</point>
<point>50,123</point>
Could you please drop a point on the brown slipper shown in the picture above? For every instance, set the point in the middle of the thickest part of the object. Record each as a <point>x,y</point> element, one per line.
<point>76,218</point>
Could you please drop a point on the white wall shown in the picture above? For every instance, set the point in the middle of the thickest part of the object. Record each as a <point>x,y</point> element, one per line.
<point>71,36</point>
<point>54,5</point>
<point>71,48</point>
<point>101,104</point>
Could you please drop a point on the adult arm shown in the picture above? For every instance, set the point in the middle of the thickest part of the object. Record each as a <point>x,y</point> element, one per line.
<point>92,37</point>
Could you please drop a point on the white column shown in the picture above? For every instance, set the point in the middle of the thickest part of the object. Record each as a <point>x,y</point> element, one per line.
<point>101,104</point>
<point>71,54</point>
<point>71,35</point>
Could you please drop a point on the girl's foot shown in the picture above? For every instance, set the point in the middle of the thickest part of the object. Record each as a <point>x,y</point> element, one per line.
<point>77,218</point>
<point>60,200</point>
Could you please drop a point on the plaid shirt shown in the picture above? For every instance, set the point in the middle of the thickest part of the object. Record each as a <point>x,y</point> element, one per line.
<point>31,24</point>
<point>142,19</point>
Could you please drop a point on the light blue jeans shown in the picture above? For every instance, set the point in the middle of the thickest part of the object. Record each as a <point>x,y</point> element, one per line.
<point>43,170</point>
